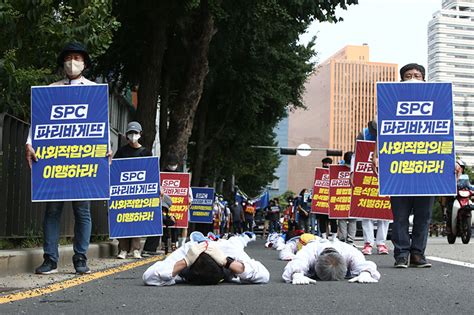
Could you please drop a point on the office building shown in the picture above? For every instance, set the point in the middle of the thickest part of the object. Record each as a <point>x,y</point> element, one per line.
<point>341,99</point>
<point>451,59</point>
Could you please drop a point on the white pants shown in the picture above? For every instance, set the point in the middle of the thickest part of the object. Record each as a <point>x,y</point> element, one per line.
<point>368,231</point>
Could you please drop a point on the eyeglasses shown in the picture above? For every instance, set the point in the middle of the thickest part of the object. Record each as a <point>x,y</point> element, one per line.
<point>408,76</point>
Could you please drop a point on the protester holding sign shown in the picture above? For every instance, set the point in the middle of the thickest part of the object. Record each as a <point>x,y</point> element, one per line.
<point>347,227</point>
<point>370,133</point>
<point>329,261</point>
<point>74,59</point>
<point>205,262</point>
<point>132,149</point>
<point>418,119</point>
<point>323,219</point>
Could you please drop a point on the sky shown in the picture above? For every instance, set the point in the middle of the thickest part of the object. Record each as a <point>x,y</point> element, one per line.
<point>395,30</point>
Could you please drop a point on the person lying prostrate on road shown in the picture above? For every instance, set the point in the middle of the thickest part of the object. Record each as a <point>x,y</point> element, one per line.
<point>296,244</point>
<point>202,261</point>
<point>329,261</point>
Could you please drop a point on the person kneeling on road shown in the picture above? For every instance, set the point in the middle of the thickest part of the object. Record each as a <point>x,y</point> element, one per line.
<point>329,261</point>
<point>201,261</point>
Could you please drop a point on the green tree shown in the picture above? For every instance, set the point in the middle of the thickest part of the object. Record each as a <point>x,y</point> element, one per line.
<point>257,72</point>
<point>163,49</point>
<point>34,32</point>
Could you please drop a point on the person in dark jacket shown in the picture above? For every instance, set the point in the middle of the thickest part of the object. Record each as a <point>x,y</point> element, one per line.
<point>132,149</point>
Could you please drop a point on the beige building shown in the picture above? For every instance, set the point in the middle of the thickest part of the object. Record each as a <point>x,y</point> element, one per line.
<point>340,98</point>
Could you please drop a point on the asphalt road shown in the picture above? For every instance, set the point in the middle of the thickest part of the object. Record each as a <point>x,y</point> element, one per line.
<point>442,289</point>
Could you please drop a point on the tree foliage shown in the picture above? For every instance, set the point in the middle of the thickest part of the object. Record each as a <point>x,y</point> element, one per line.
<point>223,73</point>
<point>258,70</point>
<point>33,34</point>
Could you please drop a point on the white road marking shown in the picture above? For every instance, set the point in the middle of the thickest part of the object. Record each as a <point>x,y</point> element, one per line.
<point>450,261</point>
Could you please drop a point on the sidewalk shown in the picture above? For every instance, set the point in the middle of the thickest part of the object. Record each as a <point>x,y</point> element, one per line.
<point>17,266</point>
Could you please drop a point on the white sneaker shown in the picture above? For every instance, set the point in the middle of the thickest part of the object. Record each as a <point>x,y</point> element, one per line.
<point>136,254</point>
<point>122,254</point>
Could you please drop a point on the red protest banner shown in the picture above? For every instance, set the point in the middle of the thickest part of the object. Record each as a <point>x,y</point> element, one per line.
<point>176,185</point>
<point>366,202</point>
<point>320,200</point>
<point>339,191</point>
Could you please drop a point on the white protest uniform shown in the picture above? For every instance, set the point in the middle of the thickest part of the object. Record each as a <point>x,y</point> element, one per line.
<point>66,81</point>
<point>306,258</point>
<point>160,274</point>
<point>289,250</point>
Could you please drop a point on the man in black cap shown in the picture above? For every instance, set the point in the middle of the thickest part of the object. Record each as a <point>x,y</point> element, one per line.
<point>74,59</point>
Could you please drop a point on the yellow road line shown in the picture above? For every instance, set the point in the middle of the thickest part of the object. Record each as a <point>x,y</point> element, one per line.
<point>75,281</point>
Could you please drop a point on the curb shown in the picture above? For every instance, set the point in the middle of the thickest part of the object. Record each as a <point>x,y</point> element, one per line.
<point>26,260</point>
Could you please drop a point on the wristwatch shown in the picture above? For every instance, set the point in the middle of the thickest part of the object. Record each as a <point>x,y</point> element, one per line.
<point>229,261</point>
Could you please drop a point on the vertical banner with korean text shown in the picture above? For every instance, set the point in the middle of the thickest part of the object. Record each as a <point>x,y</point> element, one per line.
<point>366,202</point>
<point>70,135</point>
<point>320,200</point>
<point>176,185</point>
<point>339,191</point>
<point>135,204</point>
<point>201,209</point>
<point>415,139</point>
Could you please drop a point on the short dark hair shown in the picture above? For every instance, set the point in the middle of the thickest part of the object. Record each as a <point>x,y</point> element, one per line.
<point>412,66</point>
<point>204,271</point>
<point>348,157</point>
<point>327,160</point>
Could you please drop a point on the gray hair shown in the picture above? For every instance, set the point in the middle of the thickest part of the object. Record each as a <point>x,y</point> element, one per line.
<point>331,267</point>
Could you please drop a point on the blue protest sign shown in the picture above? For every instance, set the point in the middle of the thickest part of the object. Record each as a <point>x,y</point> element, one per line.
<point>201,207</point>
<point>70,135</point>
<point>135,204</point>
<point>415,139</point>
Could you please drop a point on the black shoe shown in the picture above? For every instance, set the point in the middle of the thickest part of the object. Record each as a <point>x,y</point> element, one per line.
<point>80,264</point>
<point>48,267</point>
<point>401,262</point>
<point>419,261</point>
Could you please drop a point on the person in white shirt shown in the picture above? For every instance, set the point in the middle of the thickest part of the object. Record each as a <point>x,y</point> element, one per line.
<point>201,261</point>
<point>295,244</point>
<point>329,261</point>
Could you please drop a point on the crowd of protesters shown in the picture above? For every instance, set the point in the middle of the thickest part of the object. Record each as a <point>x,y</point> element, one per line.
<point>334,242</point>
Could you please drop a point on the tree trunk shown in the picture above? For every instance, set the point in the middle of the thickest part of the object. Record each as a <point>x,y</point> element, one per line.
<point>200,144</point>
<point>150,78</point>
<point>164,105</point>
<point>184,110</point>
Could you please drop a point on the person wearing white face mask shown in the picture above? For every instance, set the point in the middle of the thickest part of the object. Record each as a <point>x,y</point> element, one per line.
<point>73,59</point>
<point>132,149</point>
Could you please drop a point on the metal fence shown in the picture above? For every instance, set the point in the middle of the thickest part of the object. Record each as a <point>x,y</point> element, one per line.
<point>19,217</point>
